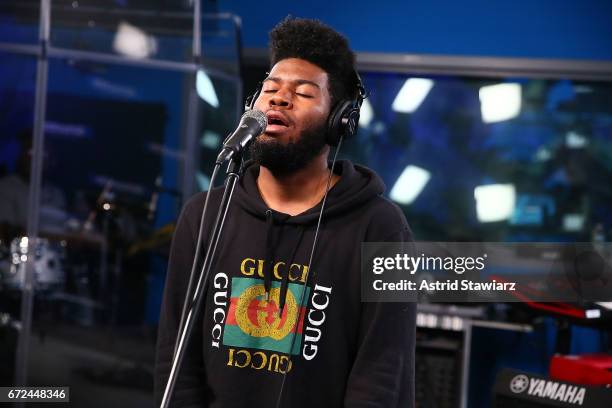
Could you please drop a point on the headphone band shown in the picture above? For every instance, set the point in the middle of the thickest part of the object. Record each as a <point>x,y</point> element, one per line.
<point>361,91</point>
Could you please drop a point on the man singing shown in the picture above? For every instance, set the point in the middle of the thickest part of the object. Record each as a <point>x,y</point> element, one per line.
<point>255,343</point>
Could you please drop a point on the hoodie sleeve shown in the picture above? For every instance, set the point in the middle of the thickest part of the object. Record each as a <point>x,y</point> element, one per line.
<point>189,388</point>
<point>382,375</point>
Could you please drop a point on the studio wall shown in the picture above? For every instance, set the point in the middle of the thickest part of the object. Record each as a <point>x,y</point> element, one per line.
<point>561,29</point>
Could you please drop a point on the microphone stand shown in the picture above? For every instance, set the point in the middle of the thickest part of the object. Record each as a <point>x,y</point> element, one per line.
<point>195,304</point>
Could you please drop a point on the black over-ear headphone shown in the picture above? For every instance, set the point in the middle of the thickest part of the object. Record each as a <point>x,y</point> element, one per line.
<point>344,117</point>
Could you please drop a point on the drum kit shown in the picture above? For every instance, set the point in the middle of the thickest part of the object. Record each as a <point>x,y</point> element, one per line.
<point>48,264</point>
<point>74,262</point>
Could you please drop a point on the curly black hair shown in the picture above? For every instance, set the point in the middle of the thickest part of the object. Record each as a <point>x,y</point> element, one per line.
<point>319,44</point>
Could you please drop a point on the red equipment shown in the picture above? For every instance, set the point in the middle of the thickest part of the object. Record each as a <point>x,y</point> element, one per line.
<point>586,369</point>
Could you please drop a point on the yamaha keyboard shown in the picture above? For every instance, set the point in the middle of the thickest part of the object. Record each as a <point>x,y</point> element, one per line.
<point>517,389</point>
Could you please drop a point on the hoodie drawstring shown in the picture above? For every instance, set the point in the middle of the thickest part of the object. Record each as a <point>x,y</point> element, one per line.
<point>269,268</point>
<point>269,263</point>
<point>285,282</point>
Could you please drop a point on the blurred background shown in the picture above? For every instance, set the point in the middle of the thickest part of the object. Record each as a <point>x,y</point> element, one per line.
<point>487,122</point>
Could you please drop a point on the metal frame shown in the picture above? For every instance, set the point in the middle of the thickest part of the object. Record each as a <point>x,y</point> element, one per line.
<point>486,66</point>
<point>43,50</point>
<point>467,349</point>
<point>40,102</point>
<point>58,52</point>
<point>494,67</point>
<point>465,364</point>
<point>95,11</point>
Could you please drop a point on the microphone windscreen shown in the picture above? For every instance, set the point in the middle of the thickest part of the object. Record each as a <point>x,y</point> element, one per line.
<point>259,116</point>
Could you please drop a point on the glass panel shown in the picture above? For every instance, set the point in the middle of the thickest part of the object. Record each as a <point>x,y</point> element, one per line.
<point>17,90</point>
<point>220,101</point>
<point>122,30</point>
<point>219,108</point>
<point>473,159</point>
<point>19,20</point>
<point>112,171</point>
<point>220,39</point>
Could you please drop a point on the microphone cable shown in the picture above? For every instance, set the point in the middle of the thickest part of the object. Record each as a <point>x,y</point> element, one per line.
<point>188,303</point>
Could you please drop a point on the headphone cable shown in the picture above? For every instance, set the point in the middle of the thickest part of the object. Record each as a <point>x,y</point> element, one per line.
<point>312,252</point>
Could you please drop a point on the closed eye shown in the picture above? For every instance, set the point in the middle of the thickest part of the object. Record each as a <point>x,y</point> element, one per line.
<point>304,95</point>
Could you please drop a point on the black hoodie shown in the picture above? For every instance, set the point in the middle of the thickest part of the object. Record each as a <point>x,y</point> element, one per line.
<point>345,353</point>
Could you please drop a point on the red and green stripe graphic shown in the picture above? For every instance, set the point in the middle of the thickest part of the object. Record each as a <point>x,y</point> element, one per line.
<point>254,322</point>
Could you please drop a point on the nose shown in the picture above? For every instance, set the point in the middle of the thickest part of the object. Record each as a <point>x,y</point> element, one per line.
<point>281,98</point>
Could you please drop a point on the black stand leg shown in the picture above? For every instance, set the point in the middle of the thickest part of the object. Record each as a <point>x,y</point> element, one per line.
<point>184,335</point>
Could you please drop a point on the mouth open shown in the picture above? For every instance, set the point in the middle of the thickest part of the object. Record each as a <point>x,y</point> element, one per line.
<point>277,122</point>
<point>272,121</point>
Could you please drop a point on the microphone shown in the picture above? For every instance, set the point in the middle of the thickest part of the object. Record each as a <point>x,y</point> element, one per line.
<point>252,124</point>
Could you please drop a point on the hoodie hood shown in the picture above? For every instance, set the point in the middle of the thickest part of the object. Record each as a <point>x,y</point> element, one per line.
<point>357,185</point>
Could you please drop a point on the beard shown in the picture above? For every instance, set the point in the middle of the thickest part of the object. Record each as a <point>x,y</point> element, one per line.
<point>284,159</point>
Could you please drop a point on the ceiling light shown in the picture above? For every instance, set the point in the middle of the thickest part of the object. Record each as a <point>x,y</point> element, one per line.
<point>409,185</point>
<point>205,89</point>
<point>495,202</point>
<point>133,42</point>
<point>210,139</point>
<point>366,114</point>
<point>574,140</point>
<point>500,102</point>
<point>412,94</point>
